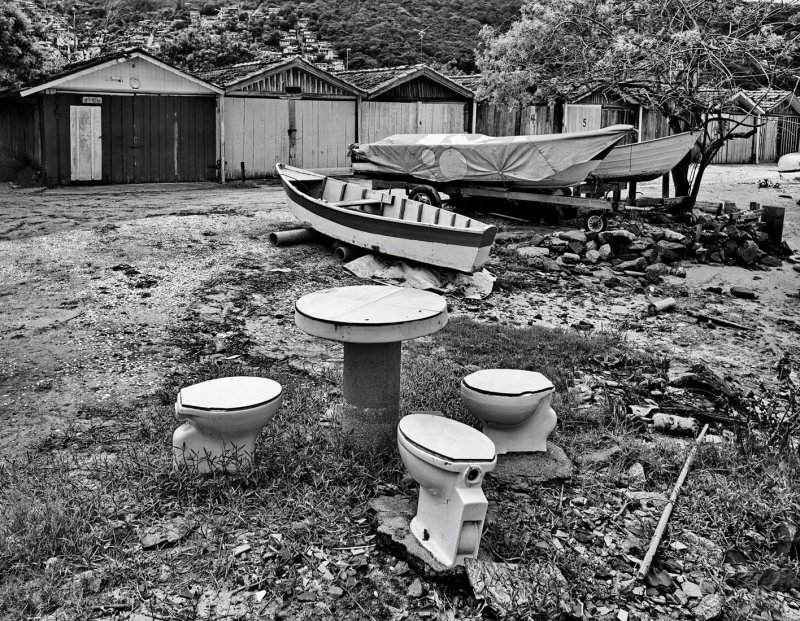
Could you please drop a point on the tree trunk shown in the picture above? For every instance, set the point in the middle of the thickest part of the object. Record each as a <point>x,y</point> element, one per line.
<point>680,176</point>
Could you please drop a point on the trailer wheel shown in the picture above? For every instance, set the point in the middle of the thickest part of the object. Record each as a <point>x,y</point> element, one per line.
<point>425,194</point>
<point>595,222</point>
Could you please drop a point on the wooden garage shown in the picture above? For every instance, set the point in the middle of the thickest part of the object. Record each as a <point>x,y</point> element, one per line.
<point>602,108</point>
<point>122,118</point>
<point>409,100</point>
<point>287,111</point>
<point>775,115</point>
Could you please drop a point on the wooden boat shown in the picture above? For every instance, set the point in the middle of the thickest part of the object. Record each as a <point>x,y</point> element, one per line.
<point>382,222</point>
<point>644,161</point>
<point>790,162</point>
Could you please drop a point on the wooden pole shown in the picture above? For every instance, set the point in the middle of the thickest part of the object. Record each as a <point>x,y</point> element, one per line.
<point>773,217</point>
<point>662,523</point>
<point>665,186</point>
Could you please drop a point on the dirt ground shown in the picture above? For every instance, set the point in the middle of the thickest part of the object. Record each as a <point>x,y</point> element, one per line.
<point>95,284</point>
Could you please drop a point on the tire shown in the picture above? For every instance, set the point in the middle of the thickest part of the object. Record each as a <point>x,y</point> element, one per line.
<point>595,222</point>
<point>425,194</point>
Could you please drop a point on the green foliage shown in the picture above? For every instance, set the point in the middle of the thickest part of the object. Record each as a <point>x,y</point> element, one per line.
<point>199,50</point>
<point>20,58</point>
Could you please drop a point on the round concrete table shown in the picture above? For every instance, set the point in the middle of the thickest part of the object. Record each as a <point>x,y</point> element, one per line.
<point>371,321</point>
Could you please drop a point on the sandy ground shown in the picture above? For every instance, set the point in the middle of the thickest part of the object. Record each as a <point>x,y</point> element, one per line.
<point>78,335</point>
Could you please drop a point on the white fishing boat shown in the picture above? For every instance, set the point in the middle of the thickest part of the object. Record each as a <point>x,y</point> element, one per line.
<point>644,161</point>
<point>386,223</point>
<point>790,162</point>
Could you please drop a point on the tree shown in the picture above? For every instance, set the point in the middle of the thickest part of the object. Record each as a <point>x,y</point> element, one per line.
<point>684,58</point>
<point>20,58</point>
<point>197,50</point>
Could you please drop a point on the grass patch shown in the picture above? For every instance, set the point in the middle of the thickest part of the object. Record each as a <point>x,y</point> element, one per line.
<point>81,501</point>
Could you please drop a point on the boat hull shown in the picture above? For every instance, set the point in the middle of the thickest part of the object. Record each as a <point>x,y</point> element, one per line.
<point>458,249</point>
<point>789,163</point>
<point>645,161</point>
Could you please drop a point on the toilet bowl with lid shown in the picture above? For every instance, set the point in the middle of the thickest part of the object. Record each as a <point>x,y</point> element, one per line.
<point>223,419</point>
<point>449,461</point>
<point>514,407</point>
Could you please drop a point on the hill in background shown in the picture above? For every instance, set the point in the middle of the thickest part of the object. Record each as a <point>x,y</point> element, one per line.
<point>203,34</point>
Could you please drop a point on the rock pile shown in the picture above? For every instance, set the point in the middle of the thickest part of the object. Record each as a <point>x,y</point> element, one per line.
<point>651,251</point>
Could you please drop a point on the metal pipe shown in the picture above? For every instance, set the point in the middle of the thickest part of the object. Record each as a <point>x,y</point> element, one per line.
<point>293,236</point>
<point>344,253</point>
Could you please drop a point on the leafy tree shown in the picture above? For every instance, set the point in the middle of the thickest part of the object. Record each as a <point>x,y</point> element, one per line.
<point>197,50</point>
<point>685,58</point>
<point>20,58</point>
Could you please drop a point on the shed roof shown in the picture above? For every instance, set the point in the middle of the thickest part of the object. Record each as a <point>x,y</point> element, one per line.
<point>377,81</point>
<point>74,70</point>
<point>765,100</point>
<point>234,77</point>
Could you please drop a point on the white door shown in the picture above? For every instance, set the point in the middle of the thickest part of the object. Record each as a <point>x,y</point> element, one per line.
<point>582,118</point>
<point>86,145</point>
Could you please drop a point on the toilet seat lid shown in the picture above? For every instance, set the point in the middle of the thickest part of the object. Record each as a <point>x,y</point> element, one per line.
<point>230,393</point>
<point>446,438</point>
<point>507,382</point>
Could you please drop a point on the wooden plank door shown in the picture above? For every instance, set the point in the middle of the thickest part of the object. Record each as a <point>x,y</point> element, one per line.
<point>440,118</point>
<point>324,129</point>
<point>579,118</point>
<point>86,146</point>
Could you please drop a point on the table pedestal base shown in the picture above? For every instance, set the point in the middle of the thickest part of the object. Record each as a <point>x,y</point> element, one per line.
<point>371,394</point>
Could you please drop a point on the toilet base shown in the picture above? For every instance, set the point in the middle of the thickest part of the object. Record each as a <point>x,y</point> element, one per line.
<point>450,528</point>
<point>206,453</point>
<point>528,437</point>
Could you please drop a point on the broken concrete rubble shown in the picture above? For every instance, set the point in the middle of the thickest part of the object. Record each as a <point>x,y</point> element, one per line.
<point>634,246</point>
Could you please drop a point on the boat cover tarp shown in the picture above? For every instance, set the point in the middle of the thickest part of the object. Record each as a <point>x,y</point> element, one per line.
<point>475,157</point>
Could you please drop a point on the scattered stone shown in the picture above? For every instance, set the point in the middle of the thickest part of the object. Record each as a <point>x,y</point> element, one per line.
<point>598,457</point>
<point>570,258</point>
<point>592,256</point>
<point>415,590</point>
<point>552,465</point>
<point>573,236</point>
<point>605,252</point>
<point>691,590</point>
<point>89,581</point>
<point>787,539</point>
<point>710,607</point>
<point>641,244</point>
<point>669,252</point>
<point>748,252</point>
<point>636,475</point>
<point>533,251</point>
<point>679,271</point>
<point>636,265</point>
<point>743,293</point>
<point>658,578</point>
<point>618,235</point>
<point>656,499</point>
<point>544,263</point>
<point>509,588</point>
<point>770,261</point>
<point>335,591</point>
<point>576,248</point>
<point>165,533</point>
<point>655,271</point>
<point>675,237</point>
<point>393,516</point>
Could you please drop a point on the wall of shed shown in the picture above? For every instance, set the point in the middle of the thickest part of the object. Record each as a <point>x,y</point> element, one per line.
<point>497,120</point>
<point>20,136</point>
<point>134,75</point>
<point>145,138</point>
<point>379,119</point>
<point>309,133</point>
<point>421,88</point>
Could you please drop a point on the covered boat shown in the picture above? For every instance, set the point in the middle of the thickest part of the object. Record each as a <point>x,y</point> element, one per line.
<point>547,161</point>
<point>387,223</point>
<point>645,161</point>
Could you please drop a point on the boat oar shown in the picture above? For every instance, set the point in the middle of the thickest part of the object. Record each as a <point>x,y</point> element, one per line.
<point>662,523</point>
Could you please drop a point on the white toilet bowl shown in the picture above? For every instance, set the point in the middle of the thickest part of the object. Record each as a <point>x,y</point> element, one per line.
<point>449,460</point>
<point>223,419</point>
<point>514,407</point>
